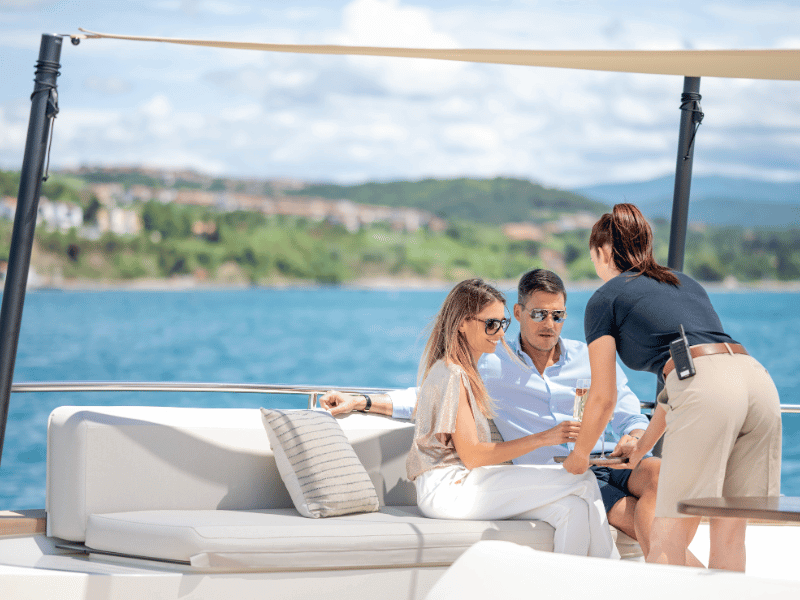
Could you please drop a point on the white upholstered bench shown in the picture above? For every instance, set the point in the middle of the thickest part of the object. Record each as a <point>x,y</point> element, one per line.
<point>200,487</point>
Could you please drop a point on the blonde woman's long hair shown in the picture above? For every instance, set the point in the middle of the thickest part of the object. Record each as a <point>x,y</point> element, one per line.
<point>446,342</point>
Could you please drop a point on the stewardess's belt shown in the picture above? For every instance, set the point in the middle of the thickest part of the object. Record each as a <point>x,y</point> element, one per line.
<point>706,350</point>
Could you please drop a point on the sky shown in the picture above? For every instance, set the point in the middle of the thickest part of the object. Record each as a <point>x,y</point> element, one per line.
<point>353,119</point>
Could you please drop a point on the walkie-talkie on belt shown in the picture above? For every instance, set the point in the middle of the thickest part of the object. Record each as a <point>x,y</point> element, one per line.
<point>682,357</point>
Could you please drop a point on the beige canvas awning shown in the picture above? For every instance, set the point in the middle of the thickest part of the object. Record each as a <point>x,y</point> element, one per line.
<point>746,64</point>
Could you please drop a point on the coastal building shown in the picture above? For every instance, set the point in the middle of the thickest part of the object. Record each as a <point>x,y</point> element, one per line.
<point>139,193</point>
<point>120,221</point>
<point>532,232</point>
<point>59,215</point>
<point>108,194</point>
<point>194,197</point>
<point>206,229</point>
<point>572,222</point>
<point>268,198</point>
<point>53,215</point>
<point>350,215</point>
<point>8,208</point>
<point>523,232</point>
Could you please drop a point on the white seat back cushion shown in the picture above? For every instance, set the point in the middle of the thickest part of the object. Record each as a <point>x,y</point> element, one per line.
<point>120,459</point>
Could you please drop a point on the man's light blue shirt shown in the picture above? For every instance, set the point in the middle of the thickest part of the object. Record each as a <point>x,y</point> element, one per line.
<point>527,401</point>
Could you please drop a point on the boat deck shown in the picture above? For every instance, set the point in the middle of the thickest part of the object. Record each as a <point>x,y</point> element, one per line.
<point>22,522</point>
<point>771,551</point>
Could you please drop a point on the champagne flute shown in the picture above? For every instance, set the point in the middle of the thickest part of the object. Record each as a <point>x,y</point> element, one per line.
<point>581,393</point>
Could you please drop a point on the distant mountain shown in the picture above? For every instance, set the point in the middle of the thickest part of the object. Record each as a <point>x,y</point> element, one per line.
<point>491,201</point>
<point>714,200</point>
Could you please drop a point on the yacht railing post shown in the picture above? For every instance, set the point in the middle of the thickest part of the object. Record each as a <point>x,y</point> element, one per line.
<point>44,103</point>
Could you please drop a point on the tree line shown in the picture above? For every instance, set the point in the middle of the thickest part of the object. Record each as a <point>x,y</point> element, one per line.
<point>249,247</point>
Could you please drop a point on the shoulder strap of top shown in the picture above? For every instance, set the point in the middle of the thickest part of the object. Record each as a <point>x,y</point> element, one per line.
<point>465,380</point>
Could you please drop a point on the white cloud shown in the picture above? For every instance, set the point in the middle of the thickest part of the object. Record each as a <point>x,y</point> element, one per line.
<point>325,130</point>
<point>26,4</point>
<point>753,15</point>
<point>388,23</point>
<point>108,85</point>
<point>472,137</point>
<point>22,39</point>
<point>14,133</point>
<point>226,8</point>
<point>74,127</point>
<point>245,112</point>
<point>158,107</point>
<point>302,14</point>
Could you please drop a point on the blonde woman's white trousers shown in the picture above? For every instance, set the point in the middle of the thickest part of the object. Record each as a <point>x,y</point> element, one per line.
<point>570,503</point>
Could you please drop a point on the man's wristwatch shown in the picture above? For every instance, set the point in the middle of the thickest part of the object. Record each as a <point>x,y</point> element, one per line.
<point>369,403</point>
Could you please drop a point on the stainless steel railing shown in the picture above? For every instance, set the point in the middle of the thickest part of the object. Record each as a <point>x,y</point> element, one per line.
<point>313,392</point>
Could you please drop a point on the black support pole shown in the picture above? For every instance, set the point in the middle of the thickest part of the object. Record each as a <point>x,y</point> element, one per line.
<point>691,116</point>
<point>44,105</point>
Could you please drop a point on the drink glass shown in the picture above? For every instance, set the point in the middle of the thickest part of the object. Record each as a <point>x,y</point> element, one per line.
<point>581,393</point>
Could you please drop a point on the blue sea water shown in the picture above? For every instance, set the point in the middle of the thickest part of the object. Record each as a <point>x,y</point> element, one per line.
<point>327,337</point>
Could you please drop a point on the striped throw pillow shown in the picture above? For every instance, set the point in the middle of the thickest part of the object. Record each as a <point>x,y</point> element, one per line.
<point>318,465</point>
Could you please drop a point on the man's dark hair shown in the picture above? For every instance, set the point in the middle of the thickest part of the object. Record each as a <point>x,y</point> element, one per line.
<point>539,280</point>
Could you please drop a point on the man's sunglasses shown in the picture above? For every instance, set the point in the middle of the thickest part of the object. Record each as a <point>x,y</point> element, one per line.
<point>494,325</point>
<point>540,314</point>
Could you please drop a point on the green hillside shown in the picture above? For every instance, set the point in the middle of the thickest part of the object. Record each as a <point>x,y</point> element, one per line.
<point>250,247</point>
<point>490,201</point>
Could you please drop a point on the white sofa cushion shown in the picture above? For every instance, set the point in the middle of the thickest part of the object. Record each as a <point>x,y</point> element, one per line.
<point>317,464</point>
<point>281,540</point>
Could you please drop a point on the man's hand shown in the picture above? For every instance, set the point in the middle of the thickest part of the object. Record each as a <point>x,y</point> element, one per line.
<point>576,463</point>
<point>626,448</point>
<point>634,458</point>
<point>566,431</point>
<point>627,444</point>
<point>340,403</point>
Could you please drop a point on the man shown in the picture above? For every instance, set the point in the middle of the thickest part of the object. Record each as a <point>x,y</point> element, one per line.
<point>534,390</point>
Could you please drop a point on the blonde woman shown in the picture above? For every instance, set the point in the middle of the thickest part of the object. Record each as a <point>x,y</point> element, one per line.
<point>457,470</point>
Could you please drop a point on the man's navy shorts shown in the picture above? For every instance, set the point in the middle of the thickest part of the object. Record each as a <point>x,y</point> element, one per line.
<point>613,484</point>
